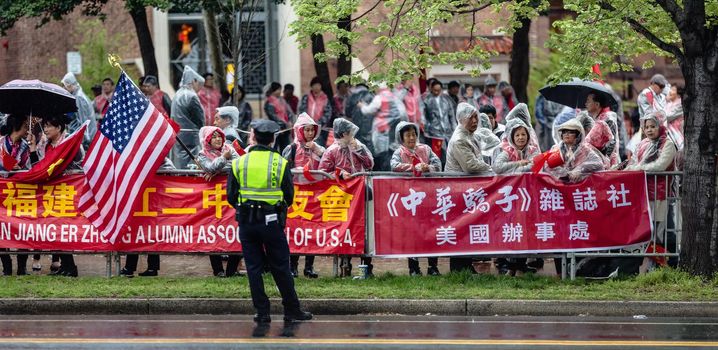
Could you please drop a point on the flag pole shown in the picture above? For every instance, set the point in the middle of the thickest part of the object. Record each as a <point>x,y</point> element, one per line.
<point>114,61</point>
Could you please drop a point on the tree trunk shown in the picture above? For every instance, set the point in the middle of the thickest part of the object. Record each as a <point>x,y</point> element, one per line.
<point>699,255</point>
<point>322,68</point>
<point>215,50</point>
<point>344,64</point>
<point>519,65</point>
<point>144,37</point>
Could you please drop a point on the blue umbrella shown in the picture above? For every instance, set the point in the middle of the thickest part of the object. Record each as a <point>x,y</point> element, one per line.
<point>575,92</point>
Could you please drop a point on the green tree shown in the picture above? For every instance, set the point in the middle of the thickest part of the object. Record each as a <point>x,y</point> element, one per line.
<point>94,47</point>
<point>601,31</point>
<point>47,10</point>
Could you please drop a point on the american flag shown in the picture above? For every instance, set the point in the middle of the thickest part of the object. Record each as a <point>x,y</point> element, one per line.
<point>131,144</point>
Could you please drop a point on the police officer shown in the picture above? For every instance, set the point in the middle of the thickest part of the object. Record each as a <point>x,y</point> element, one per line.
<point>258,189</point>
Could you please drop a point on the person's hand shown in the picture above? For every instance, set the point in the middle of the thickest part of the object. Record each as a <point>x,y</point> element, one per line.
<point>227,154</point>
<point>361,104</point>
<point>353,144</point>
<point>207,176</point>
<point>524,162</point>
<point>425,167</point>
<point>32,142</point>
<point>346,175</point>
<point>310,144</point>
<point>574,176</point>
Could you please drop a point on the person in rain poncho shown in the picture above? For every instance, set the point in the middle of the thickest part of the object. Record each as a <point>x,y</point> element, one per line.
<point>188,113</point>
<point>216,154</point>
<point>215,157</point>
<point>304,152</point>
<point>413,156</point>
<point>517,153</point>
<point>317,105</point>
<point>410,95</point>
<point>360,93</point>
<point>278,111</point>
<point>567,113</point>
<point>439,120</point>
<point>467,94</point>
<point>674,116</point>
<point>579,158</point>
<point>84,112</point>
<point>653,98</point>
<point>495,127</point>
<point>597,107</point>
<point>387,112</point>
<point>464,150</point>
<point>521,112</point>
<point>599,136</point>
<point>347,154</point>
<point>209,97</point>
<point>245,112</point>
<point>159,98</point>
<point>227,119</point>
<point>656,152</point>
<point>489,141</point>
<point>492,98</point>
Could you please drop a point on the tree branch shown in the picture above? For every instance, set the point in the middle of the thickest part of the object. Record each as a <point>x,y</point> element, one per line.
<point>640,29</point>
<point>675,11</point>
<point>471,10</point>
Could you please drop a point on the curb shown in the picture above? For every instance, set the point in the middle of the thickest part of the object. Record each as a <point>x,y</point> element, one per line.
<point>460,307</point>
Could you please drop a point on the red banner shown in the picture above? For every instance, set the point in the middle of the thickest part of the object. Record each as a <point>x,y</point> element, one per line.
<point>508,214</point>
<point>177,214</point>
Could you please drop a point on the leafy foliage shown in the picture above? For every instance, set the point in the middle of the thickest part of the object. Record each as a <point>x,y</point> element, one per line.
<point>402,30</point>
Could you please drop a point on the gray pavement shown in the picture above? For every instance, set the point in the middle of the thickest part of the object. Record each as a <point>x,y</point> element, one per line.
<point>356,332</point>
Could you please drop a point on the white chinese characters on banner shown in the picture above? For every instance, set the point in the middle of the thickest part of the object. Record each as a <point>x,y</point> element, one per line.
<point>585,200</point>
<point>444,203</point>
<point>475,199</point>
<point>479,234</point>
<point>506,203</point>
<point>445,235</point>
<point>544,231</point>
<point>618,198</point>
<point>551,199</point>
<point>512,233</point>
<point>579,231</point>
<point>413,200</point>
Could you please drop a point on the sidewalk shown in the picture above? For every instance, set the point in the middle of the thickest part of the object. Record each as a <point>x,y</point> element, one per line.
<point>470,307</point>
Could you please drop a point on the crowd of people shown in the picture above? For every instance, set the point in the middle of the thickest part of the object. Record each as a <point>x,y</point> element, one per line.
<point>399,129</point>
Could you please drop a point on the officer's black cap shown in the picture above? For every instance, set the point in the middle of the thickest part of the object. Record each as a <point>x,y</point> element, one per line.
<point>264,126</point>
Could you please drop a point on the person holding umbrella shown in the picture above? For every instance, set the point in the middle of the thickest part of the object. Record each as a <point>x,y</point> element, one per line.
<point>15,153</point>
<point>85,111</point>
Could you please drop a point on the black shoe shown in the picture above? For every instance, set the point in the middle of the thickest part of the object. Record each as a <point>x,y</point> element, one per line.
<point>22,272</point>
<point>262,318</point>
<point>220,274</point>
<point>127,273</point>
<point>433,271</point>
<point>370,271</point>
<point>69,272</point>
<point>148,273</point>
<point>235,274</point>
<point>536,264</point>
<point>346,270</point>
<point>295,273</point>
<point>54,269</point>
<point>298,316</point>
<point>309,272</point>
<point>503,270</point>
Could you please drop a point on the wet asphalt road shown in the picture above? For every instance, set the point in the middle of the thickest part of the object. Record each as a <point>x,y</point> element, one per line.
<point>355,332</point>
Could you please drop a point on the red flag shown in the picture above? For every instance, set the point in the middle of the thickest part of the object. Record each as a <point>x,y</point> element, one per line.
<point>414,161</point>
<point>8,162</point>
<point>238,148</point>
<point>307,174</point>
<point>597,69</point>
<point>436,145</point>
<point>56,159</point>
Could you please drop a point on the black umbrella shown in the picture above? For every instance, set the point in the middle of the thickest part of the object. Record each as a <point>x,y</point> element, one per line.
<point>575,92</point>
<point>33,97</point>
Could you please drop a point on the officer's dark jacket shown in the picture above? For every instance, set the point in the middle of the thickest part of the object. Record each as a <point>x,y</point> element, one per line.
<point>287,182</point>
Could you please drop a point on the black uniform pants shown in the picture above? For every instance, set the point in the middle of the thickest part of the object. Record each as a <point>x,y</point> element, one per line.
<point>232,264</point>
<point>7,263</point>
<point>257,240</point>
<point>153,262</point>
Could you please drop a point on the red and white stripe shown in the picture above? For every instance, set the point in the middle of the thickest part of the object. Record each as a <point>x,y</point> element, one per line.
<point>114,180</point>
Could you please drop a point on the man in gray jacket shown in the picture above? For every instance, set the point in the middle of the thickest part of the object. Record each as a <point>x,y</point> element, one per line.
<point>188,113</point>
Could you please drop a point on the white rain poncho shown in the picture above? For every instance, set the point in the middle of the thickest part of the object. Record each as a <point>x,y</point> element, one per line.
<point>231,113</point>
<point>567,113</point>
<point>489,140</point>
<point>212,159</point>
<point>439,121</point>
<point>342,155</point>
<point>404,158</point>
<point>509,155</point>
<point>387,112</point>
<point>580,160</point>
<point>85,111</point>
<point>188,113</point>
<point>298,154</point>
<point>521,112</point>
<point>463,154</point>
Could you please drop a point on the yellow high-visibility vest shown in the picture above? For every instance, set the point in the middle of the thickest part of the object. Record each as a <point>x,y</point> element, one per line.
<point>259,174</point>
